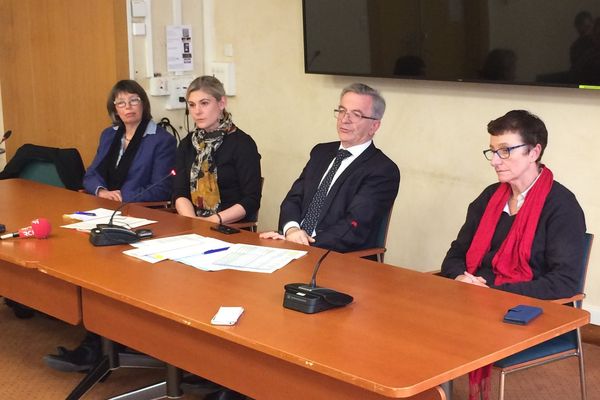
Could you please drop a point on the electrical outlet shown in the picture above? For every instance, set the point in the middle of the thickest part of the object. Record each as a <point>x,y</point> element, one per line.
<point>177,89</point>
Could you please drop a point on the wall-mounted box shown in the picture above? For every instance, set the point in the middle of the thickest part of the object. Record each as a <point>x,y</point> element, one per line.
<point>225,72</point>
<point>177,88</point>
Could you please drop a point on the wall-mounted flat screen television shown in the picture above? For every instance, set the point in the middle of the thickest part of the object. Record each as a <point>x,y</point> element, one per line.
<point>533,42</point>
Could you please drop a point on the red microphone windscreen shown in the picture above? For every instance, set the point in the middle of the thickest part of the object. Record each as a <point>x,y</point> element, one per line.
<point>41,228</point>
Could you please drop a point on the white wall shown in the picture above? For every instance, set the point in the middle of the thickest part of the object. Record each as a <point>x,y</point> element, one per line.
<point>434,131</point>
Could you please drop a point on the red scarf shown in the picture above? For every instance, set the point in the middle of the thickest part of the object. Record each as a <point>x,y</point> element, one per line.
<point>511,262</point>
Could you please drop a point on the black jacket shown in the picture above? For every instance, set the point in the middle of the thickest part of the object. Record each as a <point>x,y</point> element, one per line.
<point>68,163</point>
<point>557,251</point>
<point>238,176</point>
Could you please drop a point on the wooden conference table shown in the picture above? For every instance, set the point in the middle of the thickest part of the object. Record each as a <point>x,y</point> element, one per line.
<point>405,334</point>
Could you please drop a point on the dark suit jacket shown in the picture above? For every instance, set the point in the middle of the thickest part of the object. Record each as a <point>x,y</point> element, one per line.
<point>364,193</point>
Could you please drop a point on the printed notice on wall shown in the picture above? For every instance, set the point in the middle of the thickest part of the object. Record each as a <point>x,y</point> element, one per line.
<point>179,48</point>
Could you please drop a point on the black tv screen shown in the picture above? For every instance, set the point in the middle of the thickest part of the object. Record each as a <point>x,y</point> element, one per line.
<point>534,42</point>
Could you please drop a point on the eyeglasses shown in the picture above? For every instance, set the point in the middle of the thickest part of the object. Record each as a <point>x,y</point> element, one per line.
<point>353,116</point>
<point>503,152</point>
<point>123,103</point>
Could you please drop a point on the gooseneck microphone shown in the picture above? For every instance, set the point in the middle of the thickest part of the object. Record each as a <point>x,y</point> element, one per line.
<point>40,228</point>
<point>4,137</point>
<point>310,298</point>
<point>313,279</point>
<point>111,234</point>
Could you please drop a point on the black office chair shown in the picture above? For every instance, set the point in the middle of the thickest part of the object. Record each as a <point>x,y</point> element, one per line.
<point>563,346</point>
<point>113,359</point>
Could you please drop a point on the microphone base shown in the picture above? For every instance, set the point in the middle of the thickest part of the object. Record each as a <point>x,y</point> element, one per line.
<point>110,235</point>
<point>311,300</point>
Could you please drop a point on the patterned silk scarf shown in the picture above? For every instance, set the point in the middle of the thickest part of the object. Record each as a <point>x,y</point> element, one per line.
<point>511,262</point>
<point>204,186</point>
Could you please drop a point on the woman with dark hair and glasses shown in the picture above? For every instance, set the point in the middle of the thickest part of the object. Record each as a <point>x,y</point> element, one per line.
<point>524,234</point>
<point>134,153</point>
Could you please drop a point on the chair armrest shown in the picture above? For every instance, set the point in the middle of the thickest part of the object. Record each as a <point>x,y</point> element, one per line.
<point>577,297</point>
<point>249,226</point>
<point>242,224</point>
<point>433,272</point>
<point>154,204</point>
<point>367,252</point>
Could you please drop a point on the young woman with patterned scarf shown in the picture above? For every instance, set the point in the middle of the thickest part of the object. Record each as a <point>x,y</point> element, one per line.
<point>218,165</point>
<point>218,180</point>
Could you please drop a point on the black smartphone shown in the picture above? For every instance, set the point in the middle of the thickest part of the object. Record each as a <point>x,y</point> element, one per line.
<point>228,230</point>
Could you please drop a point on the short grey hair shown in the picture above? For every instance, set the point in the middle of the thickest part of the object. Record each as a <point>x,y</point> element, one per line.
<point>378,107</point>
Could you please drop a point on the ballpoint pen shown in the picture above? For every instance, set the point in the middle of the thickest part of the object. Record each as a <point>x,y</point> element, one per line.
<point>215,250</point>
<point>89,214</point>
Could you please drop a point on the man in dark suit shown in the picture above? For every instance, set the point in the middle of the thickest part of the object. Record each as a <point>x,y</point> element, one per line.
<point>347,187</point>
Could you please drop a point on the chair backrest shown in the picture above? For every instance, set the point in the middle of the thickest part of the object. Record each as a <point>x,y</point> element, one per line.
<point>382,230</point>
<point>587,249</point>
<point>254,218</point>
<point>41,171</point>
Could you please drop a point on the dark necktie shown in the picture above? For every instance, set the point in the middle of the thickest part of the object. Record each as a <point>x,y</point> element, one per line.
<point>314,209</point>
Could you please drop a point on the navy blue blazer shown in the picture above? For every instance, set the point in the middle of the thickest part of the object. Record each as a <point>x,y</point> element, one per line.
<point>153,161</point>
<point>363,193</point>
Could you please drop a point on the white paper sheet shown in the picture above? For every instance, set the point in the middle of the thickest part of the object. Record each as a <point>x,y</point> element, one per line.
<point>103,217</point>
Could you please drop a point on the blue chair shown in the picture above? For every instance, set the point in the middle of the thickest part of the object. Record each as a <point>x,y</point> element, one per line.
<point>567,345</point>
<point>380,240</point>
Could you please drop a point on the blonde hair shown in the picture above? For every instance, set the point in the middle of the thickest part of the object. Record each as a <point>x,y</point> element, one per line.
<point>210,85</point>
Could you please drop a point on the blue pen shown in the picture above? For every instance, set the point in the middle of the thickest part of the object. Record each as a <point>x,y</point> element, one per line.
<point>215,250</point>
<point>89,214</point>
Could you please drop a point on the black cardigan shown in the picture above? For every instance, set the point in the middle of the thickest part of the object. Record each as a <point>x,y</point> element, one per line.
<point>238,172</point>
<point>556,254</point>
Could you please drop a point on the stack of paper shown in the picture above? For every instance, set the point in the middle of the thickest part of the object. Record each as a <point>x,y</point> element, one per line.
<point>211,254</point>
<point>102,216</point>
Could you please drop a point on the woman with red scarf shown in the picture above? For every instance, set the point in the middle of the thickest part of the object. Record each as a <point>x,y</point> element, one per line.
<point>524,234</point>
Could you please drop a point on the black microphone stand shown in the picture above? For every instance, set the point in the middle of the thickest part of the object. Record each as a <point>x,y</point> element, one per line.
<point>111,234</point>
<point>310,298</point>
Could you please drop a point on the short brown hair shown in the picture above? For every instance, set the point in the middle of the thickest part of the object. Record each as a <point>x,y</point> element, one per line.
<point>529,126</point>
<point>128,86</point>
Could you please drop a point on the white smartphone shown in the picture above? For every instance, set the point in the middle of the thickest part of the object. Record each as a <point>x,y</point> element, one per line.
<point>227,315</point>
